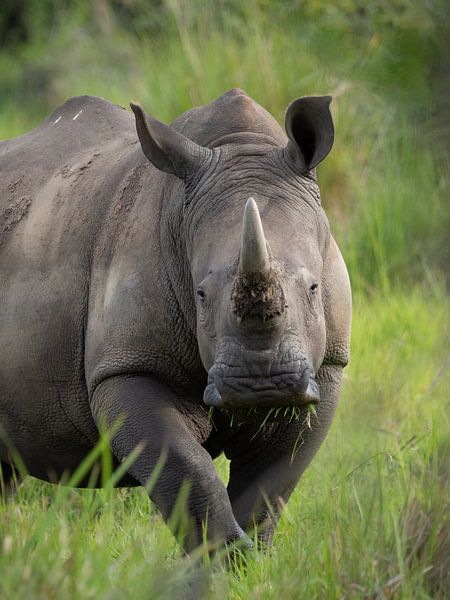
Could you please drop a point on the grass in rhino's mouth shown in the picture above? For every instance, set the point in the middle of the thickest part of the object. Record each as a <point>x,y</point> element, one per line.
<point>267,415</point>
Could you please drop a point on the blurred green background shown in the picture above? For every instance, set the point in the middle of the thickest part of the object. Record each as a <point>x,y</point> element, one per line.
<point>369,518</point>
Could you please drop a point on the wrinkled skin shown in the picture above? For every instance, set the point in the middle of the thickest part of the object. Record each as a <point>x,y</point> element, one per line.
<point>129,294</point>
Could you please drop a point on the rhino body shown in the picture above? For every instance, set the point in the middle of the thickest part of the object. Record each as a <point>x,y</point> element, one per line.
<point>139,284</point>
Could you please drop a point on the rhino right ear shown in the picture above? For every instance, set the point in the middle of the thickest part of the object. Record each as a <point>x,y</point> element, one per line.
<point>167,149</point>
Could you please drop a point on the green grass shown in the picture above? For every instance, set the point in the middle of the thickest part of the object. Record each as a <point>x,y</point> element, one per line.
<point>369,516</point>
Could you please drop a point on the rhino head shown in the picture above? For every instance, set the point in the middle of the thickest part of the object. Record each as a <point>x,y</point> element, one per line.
<point>254,239</point>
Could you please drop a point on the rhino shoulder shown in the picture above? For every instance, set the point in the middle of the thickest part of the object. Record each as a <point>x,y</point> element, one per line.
<point>81,120</point>
<point>89,109</point>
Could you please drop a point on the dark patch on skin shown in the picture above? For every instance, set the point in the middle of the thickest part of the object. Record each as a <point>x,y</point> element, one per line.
<point>12,186</point>
<point>13,213</point>
<point>75,171</point>
<point>257,296</point>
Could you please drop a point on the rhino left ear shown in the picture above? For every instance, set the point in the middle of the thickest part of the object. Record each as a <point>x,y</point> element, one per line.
<point>167,149</point>
<point>310,130</point>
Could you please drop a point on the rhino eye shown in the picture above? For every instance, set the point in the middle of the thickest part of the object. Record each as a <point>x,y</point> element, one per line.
<point>201,295</point>
<point>313,288</point>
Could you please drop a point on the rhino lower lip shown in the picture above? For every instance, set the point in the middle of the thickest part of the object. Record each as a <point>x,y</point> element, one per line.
<point>212,397</point>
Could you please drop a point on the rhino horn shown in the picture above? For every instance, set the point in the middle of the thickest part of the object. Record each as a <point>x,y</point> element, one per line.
<point>254,257</point>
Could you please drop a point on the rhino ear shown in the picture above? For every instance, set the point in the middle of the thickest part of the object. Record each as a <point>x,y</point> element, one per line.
<point>167,149</point>
<point>310,130</point>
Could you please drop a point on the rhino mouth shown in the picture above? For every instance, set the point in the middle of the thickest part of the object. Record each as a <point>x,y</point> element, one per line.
<point>261,395</point>
<point>241,378</point>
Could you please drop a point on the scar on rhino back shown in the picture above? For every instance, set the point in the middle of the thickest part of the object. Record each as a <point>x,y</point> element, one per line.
<point>14,211</point>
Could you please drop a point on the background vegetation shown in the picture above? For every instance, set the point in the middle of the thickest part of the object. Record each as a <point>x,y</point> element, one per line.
<point>369,517</point>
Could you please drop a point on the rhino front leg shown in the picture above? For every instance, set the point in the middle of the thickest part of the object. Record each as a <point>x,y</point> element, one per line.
<point>147,410</point>
<point>266,465</point>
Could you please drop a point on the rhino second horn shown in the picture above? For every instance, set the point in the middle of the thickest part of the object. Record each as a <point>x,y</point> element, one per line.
<point>254,257</point>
